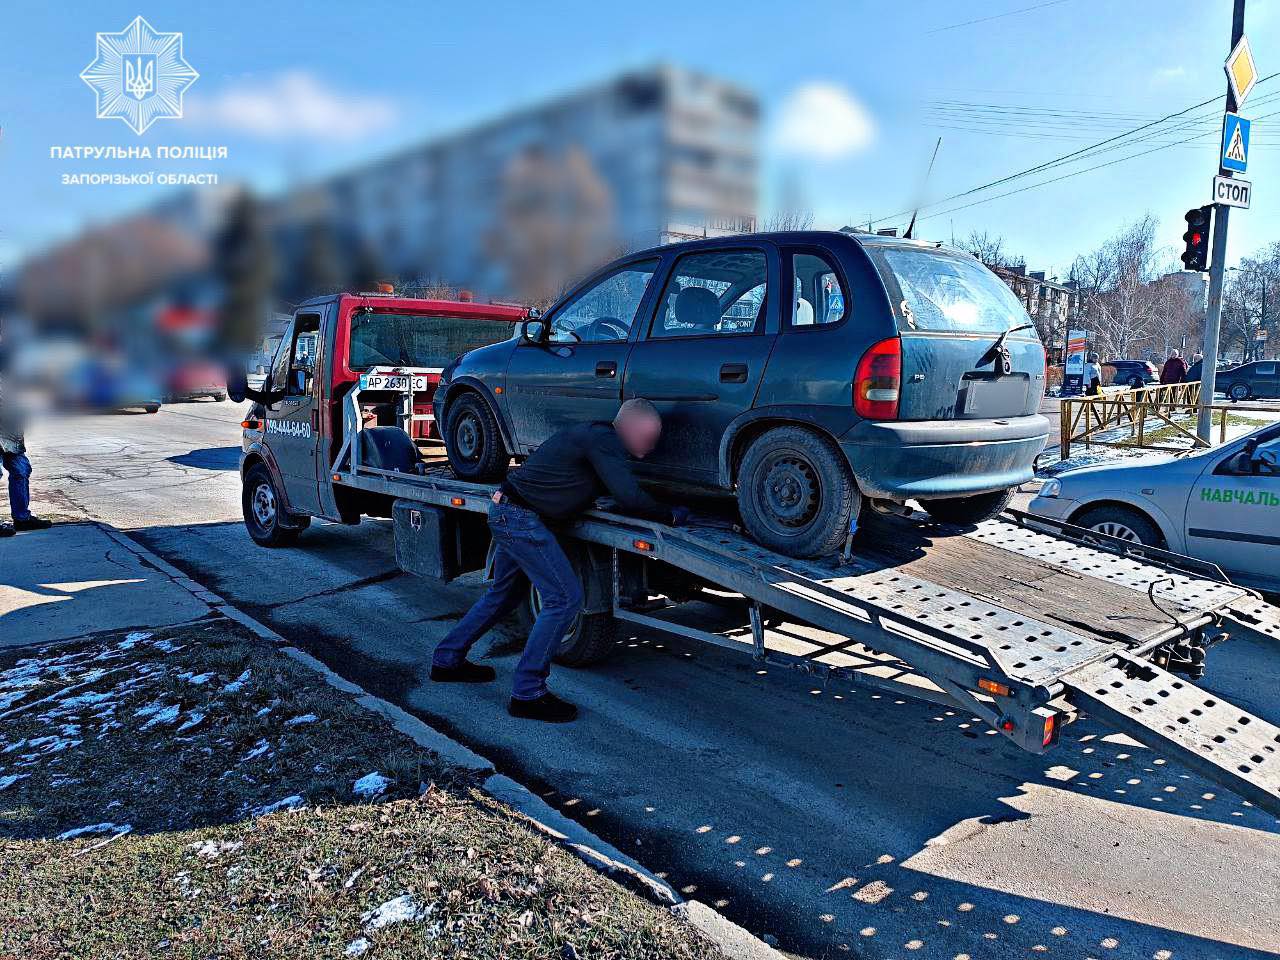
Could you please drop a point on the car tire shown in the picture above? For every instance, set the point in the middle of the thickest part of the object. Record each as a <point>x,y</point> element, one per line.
<point>1239,391</point>
<point>152,408</point>
<point>967,511</point>
<point>796,493</point>
<point>473,441</point>
<point>263,515</point>
<point>1136,383</point>
<point>219,397</point>
<point>1123,522</point>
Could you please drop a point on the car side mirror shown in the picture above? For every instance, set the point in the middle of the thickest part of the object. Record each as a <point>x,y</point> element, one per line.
<point>1268,460</point>
<point>535,331</point>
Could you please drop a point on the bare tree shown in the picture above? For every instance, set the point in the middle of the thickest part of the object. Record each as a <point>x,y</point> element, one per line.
<point>1251,304</point>
<point>989,249</point>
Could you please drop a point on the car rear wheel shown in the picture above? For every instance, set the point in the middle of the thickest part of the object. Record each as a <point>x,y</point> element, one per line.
<point>473,441</point>
<point>1123,523</point>
<point>1238,392</point>
<point>264,515</point>
<point>1136,382</point>
<point>969,510</point>
<point>796,493</point>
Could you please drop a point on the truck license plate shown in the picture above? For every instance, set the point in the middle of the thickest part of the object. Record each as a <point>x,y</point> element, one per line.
<point>391,381</point>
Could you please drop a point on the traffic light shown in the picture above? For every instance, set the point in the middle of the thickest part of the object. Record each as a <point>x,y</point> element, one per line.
<point>1196,256</point>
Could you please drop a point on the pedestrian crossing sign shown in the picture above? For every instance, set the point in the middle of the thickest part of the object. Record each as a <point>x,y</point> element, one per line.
<point>1235,143</point>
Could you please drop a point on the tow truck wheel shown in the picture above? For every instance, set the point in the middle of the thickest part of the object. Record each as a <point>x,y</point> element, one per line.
<point>473,441</point>
<point>968,510</point>
<point>263,514</point>
<point>588,641</point>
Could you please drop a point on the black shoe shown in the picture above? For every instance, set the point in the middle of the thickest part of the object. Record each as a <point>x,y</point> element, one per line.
<point>32,523</point>
<point>464,672</point>
<point>6,530</point>
<point>547,707</point>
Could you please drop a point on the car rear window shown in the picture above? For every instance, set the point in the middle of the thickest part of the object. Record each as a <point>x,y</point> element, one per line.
<point>413,340</point>
<point>943,292</point>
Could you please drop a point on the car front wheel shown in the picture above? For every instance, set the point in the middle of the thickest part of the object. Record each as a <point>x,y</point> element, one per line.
<point>473,441</point>
<point>969,510</point>
<point>1122,523</point>
<point>796,493</point>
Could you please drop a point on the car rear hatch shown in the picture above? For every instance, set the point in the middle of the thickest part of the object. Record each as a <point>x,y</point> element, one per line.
<point>962,354</point>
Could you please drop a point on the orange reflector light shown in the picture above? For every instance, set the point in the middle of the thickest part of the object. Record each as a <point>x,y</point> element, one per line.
<point>249,424</point>
<point>642,545</point>
<point>1050,726</point>
<point>999,689</point>
<point>337,478</point>
<point>456,501</point>
<point>1006,725</point>
<point>497,389</point>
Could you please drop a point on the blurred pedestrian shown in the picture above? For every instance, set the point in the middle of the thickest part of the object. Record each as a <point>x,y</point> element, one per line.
<point>1175,369</point>
<point>13,457</point>
<point>1093,375</point>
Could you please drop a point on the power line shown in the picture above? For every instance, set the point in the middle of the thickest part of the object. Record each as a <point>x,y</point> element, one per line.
<point>1049,164</point>
<point>998,16</point>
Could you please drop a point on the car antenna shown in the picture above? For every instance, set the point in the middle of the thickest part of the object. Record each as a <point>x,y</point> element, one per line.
<point>912,225</point>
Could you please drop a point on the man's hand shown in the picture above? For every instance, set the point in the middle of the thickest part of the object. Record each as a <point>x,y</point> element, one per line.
<point>680,516</point>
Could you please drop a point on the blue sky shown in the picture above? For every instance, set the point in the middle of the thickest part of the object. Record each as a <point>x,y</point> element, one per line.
<point>853,91</point>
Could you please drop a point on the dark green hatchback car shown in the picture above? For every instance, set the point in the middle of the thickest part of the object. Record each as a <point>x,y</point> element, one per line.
<point>804,372</point>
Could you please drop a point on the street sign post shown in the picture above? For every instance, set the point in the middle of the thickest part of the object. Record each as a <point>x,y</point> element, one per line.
<point>1232,191</point>
<point>1235,143</point>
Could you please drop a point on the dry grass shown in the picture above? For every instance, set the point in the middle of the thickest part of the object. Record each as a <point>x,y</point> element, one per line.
<point>201,873</point>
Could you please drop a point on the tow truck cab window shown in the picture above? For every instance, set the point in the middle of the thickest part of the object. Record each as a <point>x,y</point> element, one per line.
<point>713,294</point>
<point>417,340</point>
<point>302,339</point>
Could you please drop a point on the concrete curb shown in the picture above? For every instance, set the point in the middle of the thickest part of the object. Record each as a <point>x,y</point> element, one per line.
<point>732,940</point>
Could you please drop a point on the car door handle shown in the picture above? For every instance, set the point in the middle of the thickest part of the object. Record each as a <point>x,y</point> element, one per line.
<point>733,373</point>
<point>606,368</point>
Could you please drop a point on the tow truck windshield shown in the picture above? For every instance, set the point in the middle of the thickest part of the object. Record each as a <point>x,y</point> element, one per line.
<point>416,340</point>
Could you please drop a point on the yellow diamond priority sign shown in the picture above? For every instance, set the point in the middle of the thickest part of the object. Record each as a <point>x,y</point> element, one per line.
<point>1241,71</point>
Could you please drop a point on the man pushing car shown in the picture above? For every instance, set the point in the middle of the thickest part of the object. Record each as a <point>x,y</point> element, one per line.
<point>562,478</point>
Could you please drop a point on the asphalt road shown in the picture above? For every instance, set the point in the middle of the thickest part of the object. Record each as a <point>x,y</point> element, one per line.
<point>840,822</point>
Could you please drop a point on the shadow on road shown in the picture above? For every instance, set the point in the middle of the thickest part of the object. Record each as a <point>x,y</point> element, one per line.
<point>209,458</point>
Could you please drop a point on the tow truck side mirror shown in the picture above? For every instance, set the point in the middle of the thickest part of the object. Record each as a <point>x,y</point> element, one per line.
<point>237,383</point>
<point>535,331</point>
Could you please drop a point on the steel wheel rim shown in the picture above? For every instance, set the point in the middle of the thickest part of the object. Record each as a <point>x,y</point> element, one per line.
<point>570,635</point>
<point>466,437</point>
<point>263,505</point>
<point>790,492</point>
<point>1117,529</point>
<point>1239,392</point>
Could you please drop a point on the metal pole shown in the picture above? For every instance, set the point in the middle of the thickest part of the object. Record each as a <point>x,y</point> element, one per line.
<point>1213,311</point>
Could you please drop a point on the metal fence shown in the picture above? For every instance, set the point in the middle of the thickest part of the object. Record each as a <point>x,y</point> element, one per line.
<point>1165,410</point>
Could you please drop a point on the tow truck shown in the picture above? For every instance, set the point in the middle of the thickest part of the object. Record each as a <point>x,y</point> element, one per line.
<point>1023,625</point>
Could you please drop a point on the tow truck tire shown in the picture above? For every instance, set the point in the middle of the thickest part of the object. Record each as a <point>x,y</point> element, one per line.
<point>969,510</point>
<point>473,441</point>
<point>263,517</point>
<point>592,638</point>
<point>796,493</point>
<point>1123,522</point>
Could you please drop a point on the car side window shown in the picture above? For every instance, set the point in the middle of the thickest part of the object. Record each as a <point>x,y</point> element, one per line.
<point>818,296</point>
<point>713,294</point>
<point>604,311</point>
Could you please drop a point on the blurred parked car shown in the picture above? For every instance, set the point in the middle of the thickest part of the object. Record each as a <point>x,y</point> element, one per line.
<point>195,379</point>
<point>1220,505</point>
<point>1258,380</point>
<point>1130,373</point>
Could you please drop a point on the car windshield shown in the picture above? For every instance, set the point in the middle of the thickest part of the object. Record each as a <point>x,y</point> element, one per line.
<point>413,340</point>
<point>943,292</point>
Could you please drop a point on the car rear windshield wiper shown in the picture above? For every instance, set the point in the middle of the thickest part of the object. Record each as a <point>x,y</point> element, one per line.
<point>998,351</point>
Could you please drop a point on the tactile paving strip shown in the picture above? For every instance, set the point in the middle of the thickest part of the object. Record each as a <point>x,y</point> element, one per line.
<point>1206,733</point>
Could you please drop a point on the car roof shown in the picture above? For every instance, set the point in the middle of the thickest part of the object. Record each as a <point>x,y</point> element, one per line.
<point>799,238</point>
<point>452,308</point>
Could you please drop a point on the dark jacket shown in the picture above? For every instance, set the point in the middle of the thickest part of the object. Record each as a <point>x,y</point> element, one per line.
<point>1175,370</point>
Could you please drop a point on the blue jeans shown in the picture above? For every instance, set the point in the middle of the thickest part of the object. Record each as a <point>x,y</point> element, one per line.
<point>525,551</point>
<point>19,469</point>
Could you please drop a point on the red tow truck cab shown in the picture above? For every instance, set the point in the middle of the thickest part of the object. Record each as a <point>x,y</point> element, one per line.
<point>398,346</point>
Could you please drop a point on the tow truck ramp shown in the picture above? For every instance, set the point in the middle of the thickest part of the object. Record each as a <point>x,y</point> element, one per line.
<point>990,620</point>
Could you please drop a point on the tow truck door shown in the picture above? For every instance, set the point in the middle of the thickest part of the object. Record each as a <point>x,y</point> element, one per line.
<point>292,428</point>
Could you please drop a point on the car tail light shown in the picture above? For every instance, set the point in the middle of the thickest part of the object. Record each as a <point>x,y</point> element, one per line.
<point>877,384</point>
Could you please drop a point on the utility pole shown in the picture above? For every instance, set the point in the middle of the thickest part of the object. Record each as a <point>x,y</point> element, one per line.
<point>1218,254</point>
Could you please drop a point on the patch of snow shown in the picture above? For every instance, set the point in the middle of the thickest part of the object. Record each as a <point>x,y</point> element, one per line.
<point>403,909</point>
<point>168,646</point>
<point>9,779</point>
<point>288,803</point>
<point>191,721</point>
<point>196,679</point>
<point>14,746</point>
<point>236,685</point>
<point>258,749</point>
<point>92,828</point>
<point>212,849</point>
<point>167,714</point>
<point>357,946</point>
<point>263,712</point>
<point>132,640</point>
<point>370,785</point>
<point>299,721</point>
<point>87,699</point>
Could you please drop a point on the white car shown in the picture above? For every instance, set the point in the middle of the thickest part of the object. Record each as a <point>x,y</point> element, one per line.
<point>1220,505</point>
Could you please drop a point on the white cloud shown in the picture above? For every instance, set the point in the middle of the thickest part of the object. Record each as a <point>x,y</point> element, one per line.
<point>823,120</point>
<point>294,104</point>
